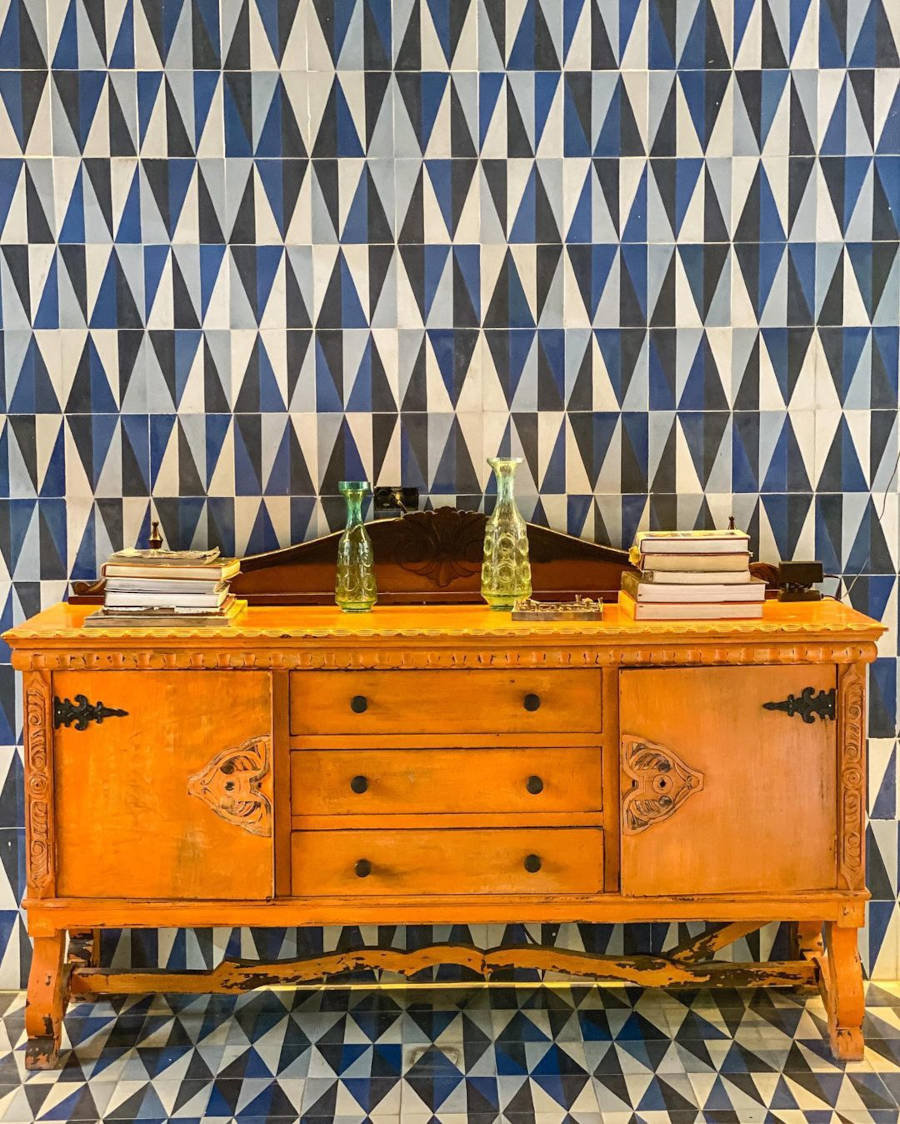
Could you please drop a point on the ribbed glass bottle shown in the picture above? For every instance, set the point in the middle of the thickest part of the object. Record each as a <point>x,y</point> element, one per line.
<point>505,569</point>
<point>354,587</point>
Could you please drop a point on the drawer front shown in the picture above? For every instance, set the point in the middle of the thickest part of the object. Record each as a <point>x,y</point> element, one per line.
<point>359,782</point>
<point>435,702</point>
<point>476,861</point>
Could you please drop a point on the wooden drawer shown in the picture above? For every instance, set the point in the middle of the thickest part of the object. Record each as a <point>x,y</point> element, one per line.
<point>464,861</point>
<point>435,702</point>
<point>343,782</point>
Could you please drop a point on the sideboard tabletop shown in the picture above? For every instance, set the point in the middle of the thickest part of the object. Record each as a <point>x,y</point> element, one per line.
<point>62,625</point>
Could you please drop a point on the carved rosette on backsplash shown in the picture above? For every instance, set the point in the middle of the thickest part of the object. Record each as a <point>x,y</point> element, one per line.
<point>230,786</point>
<point>38,766</point>
<point>660,783</point>
<point>442,545</point>
<point>851,718</point>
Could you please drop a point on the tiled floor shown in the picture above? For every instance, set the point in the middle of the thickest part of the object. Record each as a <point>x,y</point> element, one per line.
<point>609,1055</point>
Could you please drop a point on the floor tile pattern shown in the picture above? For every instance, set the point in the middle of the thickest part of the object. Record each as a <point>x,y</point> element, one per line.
<point>525,1055</point>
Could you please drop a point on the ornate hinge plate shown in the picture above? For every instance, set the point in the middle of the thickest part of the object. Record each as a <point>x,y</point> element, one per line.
<point>660,783</point>
<point>81,712</point>
<point>807,704</point>
<point>230,786</point>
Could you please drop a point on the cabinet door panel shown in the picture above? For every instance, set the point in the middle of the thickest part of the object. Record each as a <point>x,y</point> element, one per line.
<point>172,799</point>
<point>719,794</point>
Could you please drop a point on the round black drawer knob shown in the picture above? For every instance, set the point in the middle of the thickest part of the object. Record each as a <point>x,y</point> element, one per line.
<point>534,785</point>
<point>532,863</point>
<point>532,701</point>
<point>359,784</point>
<point>363,868</point>
<point>359,704</point>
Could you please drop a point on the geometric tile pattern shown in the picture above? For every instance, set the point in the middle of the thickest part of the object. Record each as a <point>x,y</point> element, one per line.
<point>513,1056</point>
<point>251,247</point>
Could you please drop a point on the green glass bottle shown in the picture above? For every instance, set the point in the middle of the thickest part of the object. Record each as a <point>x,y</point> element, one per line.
<point>505,569</point>
<point>354,587</point>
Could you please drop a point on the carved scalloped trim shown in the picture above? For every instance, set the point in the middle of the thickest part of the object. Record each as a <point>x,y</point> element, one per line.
<point>529,655</point>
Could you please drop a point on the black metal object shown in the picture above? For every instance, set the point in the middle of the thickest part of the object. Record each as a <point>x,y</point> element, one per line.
<point>534,785</point>
<point>363,868</point>
<point>796,580</point>
<point>359,704</point>
<point>531,701</point>
<point>81,712</point>
<point>360,784</point>
<point>532,863</point>
<point>395,499</point>
<point>808,704</point>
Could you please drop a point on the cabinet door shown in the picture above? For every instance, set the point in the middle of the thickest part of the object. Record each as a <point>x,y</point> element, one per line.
<point>173,797</point>
<point>719,793</point>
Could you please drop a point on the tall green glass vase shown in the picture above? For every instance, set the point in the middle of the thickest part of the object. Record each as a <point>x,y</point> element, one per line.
<point>505,569</point>
<point>354,587</point>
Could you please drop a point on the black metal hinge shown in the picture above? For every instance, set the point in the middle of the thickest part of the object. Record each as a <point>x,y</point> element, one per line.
<point>81,712</point>
<point>808,704</point>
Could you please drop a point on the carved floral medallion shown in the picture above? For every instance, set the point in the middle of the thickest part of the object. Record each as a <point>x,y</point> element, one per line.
<point>660,783</point>
<point>231,786</point>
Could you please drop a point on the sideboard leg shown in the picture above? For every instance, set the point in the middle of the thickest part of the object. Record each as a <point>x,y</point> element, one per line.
<point>47,987</point>
<point>84,952</point>
<point>806,944</point>
<point>84,948</point>
<point>841,985</point>
<point>806,939</point>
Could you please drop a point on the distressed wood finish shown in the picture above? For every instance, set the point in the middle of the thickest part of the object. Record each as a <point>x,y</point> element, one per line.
<point>702,948</point>
<point>243,975</point>
<point>48,987</point>
<point>661,788</point>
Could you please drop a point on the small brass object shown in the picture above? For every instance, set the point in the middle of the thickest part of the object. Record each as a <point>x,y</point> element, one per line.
<point>581,609</point>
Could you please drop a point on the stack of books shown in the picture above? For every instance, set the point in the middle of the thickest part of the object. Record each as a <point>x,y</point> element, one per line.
<point>166,588</point>
<point>686,575</point>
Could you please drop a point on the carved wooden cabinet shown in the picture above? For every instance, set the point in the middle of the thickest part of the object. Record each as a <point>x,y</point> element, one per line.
<point>446,765</point>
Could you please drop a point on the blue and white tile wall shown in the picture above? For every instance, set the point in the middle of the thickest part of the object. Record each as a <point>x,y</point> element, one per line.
<point>249,247</point>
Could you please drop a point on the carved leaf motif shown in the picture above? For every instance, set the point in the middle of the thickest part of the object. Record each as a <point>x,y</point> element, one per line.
<point>441,545</point>
<point>230,785</point>
<point>660,783</point>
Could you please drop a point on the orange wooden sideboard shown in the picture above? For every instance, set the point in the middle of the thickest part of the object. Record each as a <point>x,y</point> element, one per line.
<point>444,764</point>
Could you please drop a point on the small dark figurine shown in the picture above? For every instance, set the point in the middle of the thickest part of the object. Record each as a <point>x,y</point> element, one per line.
<point>155,541</point>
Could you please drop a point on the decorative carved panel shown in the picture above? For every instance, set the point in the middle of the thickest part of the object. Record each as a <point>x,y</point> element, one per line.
<point>852,823</point>
<point>230,786</point>
<point>660,783</point>
<point>442,545</point>
<point>38,789</point>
